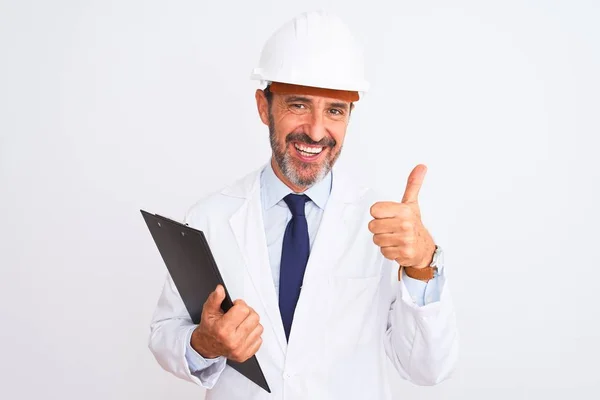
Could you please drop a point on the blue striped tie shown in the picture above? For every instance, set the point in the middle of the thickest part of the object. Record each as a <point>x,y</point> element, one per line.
<point>294,257</point>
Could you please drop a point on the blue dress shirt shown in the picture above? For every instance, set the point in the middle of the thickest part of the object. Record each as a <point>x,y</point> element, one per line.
<point>276,216</point>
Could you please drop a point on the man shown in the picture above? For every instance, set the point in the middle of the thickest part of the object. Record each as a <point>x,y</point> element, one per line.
<point>328,280</point>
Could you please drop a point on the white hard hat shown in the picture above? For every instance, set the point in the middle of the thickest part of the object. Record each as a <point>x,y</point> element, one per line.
<point>314,49</point>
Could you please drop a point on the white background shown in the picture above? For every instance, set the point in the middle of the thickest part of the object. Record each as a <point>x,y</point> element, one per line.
<point>107,107</point>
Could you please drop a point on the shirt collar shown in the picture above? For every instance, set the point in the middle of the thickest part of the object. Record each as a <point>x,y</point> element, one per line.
<point>274,190</point>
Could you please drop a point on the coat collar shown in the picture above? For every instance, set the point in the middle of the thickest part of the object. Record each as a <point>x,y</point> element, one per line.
<point>342,187</point>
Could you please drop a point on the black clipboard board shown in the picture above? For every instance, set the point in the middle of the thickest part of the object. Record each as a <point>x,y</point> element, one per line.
<point>190,262</point>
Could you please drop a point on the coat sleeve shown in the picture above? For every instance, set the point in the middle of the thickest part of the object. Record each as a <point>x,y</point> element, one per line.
<point>170,332</point>
<point>422,342</point>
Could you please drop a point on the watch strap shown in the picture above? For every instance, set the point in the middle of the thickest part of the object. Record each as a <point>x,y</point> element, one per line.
<point>422,274</point>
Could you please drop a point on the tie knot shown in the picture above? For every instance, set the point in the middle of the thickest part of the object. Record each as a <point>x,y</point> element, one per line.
<point>296,203</point>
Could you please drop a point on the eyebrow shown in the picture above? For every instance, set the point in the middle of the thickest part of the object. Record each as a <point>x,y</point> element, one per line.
<point>300,99</point>
<point>343,106</point>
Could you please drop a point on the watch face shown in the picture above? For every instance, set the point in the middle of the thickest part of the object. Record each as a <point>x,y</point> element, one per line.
<point>435,256</point>
<point>439,266</point>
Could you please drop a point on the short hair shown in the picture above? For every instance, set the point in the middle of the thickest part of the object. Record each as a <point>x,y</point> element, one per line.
<point>268,94</point>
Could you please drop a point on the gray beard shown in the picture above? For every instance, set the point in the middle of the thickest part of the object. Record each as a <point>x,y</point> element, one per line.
<point>286,163</point>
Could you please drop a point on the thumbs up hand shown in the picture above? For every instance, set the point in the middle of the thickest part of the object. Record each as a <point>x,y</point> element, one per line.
<point>397,228</point>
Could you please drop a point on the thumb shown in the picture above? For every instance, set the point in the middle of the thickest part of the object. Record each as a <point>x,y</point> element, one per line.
<point>213,303</point>
<point>414,183</point>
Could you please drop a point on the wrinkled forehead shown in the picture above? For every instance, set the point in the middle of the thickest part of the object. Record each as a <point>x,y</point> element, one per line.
<point>287,89</point>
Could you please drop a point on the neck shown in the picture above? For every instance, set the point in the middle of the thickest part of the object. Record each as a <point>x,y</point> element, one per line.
<point>282,178</point>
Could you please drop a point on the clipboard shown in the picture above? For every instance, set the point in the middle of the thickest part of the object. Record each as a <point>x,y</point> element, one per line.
<point>190,262</point>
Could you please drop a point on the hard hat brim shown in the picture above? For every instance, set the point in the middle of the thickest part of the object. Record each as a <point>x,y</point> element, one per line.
<point>361,87</point>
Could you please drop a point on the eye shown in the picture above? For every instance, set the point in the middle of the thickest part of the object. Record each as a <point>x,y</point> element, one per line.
<point>298,106</point>
<point>336,111</point>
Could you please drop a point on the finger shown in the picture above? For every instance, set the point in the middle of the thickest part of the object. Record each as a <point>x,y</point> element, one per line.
<point>254,347</point>
<point>239,302</point>
<point>235,315</point>
<point>386,239</point>
<point>406,256</point>
<point>248,324</point>
<point>247,350</point>
<point>414,183</point>
<point>390,209</point>
<point>384,209</point>
<point>254,335</point>
<point>386,225</point>
<point>391,253</point>
<point>213,303</point>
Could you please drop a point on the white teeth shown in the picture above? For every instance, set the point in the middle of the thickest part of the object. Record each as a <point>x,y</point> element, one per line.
<point>306,149</point>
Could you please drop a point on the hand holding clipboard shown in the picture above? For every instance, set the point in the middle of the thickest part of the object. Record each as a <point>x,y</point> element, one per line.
<point>192,266</point>
<point>237,334</point>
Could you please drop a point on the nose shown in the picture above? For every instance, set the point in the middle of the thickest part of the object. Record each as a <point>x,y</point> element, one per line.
<point>316,127</point>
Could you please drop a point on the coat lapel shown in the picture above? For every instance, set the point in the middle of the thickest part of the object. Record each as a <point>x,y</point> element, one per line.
<point>330,244</point>
<point>248,228</point>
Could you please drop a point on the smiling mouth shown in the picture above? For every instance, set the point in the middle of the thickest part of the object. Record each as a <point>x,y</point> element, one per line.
<point>308,151</point>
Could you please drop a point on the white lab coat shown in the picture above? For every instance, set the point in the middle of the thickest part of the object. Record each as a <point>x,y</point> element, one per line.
<point>352,309</point>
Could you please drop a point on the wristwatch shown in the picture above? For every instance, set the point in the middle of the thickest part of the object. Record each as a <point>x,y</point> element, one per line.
<point>427,273</point>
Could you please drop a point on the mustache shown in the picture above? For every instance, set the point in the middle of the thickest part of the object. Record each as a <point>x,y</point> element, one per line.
<point>304,138</point>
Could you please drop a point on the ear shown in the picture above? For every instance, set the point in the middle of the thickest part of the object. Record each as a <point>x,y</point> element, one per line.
<point>262,105</point>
